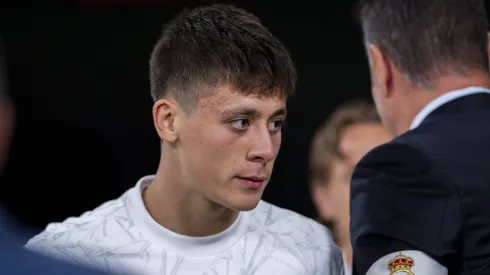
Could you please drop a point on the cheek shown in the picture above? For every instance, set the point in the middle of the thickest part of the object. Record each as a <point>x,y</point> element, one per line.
<point>276,142</point>
<point>213,148</point>
<point>346,194</point>
<point>339,193</point>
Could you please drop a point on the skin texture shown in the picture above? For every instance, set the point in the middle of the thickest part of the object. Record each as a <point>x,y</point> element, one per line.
<point>201,184</point>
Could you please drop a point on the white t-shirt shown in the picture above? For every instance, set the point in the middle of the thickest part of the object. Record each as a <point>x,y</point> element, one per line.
<point>120,236</point>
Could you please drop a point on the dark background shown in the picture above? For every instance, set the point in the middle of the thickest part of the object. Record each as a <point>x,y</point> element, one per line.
<point>79,82</point>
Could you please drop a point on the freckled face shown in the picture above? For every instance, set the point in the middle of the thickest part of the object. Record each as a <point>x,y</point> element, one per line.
<point>228,146</point>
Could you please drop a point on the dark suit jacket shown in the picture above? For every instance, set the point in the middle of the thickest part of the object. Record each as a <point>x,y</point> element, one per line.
<point>428,190</point>
<point>14,260</point>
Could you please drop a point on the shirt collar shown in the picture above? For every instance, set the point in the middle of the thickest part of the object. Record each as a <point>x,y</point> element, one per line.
<point>443,99</point>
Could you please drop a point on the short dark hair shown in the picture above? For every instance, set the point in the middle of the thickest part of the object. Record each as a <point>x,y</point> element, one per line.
<point>219,45</point>
<point>428,38</point>
<point>325,147</point>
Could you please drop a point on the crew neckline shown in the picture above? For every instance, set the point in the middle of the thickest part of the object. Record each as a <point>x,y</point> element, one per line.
<point>171,241</point>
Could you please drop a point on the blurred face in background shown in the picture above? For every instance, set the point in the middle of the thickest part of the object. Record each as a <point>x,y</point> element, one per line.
<point>333,197</point>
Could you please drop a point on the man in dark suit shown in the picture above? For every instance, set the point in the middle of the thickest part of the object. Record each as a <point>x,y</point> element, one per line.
<point>14,260</point>
<point>419,204</point>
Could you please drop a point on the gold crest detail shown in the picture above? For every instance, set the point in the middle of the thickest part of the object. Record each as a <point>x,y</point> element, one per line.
<point>401,264</point>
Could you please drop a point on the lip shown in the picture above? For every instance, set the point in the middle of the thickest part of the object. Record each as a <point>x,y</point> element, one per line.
<point>254,178</point>
<point>252,182</point>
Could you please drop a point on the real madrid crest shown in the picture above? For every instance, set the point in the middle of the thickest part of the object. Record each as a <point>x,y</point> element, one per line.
<point>401,264</point>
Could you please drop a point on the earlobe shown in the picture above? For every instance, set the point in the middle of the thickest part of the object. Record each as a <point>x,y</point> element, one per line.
<point>164,112</point>
<point>380,68</point>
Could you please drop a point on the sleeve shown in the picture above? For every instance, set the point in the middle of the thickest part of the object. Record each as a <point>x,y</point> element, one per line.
<point>404,216</point>
<point>61,242</point>
<point>43,244</point>
<point>71,250</point>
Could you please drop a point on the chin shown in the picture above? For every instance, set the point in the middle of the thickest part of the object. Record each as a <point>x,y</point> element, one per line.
<point>245,203</point>
<point>246,207</point>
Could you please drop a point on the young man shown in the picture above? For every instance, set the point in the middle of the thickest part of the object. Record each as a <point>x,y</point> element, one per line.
<point>13,258</point>
<point>220,81</point>
<point>419,204</point>
<point>353,129</point>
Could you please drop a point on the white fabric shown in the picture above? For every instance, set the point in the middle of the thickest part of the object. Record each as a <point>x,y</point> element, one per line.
<point>443,99</point>
<point>347,268</point>
<point>120,236</point>
<point>422,265</point>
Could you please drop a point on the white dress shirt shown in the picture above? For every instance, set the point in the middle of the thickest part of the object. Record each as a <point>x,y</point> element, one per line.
<point>443,99</point>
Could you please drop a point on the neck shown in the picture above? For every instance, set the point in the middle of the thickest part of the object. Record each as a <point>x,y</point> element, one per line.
<point>343,241</point>
<point>420,97</point>
<point>175,205</point>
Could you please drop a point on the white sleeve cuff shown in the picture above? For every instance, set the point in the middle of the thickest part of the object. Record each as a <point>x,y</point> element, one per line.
<point>409,262</point>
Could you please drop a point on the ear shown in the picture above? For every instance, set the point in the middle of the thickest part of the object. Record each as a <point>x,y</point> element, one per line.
<point>164,118</point>
<point>381,70</point>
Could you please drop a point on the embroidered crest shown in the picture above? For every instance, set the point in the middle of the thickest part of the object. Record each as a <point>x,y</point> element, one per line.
<point>401,264</point>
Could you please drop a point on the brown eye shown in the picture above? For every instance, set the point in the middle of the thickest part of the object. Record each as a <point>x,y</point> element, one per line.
<point>240,124</point>
<point>275,125</point>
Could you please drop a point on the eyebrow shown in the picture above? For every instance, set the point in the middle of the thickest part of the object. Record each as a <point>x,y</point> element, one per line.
<point>253,113</point>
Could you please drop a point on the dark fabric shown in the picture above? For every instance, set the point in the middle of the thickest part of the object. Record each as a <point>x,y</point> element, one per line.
<point>428,190</point>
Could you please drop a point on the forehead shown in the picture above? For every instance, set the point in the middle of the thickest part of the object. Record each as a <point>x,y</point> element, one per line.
<point>225,98</point>
<point>358,139</point>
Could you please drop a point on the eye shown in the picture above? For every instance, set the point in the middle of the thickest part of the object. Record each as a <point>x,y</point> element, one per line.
<point>275,125</point>
<point>240,124</point>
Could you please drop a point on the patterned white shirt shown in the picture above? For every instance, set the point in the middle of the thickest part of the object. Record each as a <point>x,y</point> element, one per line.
<point>121,237</point>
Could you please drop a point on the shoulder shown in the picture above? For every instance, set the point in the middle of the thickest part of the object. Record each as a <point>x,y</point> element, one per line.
<point>409,160</point>
<point>78,239</point>
<point>310,238</point>
<point>398,168</point>
<point>398,181</point>
<point>277,218</point>
<point>390,163</point>
<point>401,150</point>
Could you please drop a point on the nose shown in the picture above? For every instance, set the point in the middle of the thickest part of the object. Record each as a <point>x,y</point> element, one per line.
<point>263,149</point>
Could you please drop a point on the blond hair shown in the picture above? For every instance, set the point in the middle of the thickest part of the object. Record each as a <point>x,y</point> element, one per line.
<point>325,146</point>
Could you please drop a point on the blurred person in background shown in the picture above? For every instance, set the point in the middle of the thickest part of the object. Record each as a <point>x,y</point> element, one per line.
<point>419,204</point>
<point>220,81</point>
<point>13,258</point>
<point>353,129</point>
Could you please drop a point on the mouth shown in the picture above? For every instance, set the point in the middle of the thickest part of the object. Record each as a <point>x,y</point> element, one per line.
<point>253,182</point>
